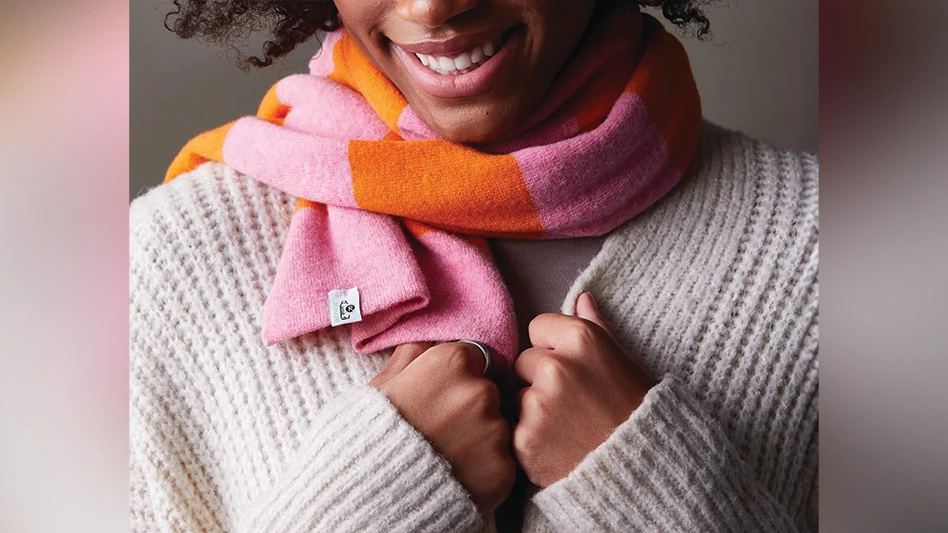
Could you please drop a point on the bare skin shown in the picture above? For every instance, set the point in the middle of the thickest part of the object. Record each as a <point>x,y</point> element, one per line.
<point>440,391</point>
<point>581,383</point>
<point>550,31</point>
<point>582,386</point>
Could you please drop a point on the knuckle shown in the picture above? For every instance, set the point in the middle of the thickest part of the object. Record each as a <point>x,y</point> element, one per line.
<point>484,387</point>
<point>581,333</point>
<point>484,395</point>
<point>456,357</point>
<point>451,359</point>
<point>554,372</point>
<point>529,405</point>
<point>524,442</point>
<point>490,391</point>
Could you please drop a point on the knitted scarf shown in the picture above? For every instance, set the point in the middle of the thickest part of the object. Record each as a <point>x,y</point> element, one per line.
<point>392,211</point>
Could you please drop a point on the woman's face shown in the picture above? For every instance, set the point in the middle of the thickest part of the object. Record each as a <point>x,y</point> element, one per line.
<point>471,69</point>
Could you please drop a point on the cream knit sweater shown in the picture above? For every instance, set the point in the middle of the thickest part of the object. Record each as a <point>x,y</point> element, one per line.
<point>715,288</point>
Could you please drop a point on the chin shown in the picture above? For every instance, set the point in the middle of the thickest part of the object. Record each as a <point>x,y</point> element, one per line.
<point>472,127</point>
<point>469,136</point>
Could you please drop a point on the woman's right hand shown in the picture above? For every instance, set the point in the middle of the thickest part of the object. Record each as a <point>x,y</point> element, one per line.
<point>440,391</point>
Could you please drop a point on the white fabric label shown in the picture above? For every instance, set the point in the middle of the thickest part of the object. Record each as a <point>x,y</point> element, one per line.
<point>344,307</point>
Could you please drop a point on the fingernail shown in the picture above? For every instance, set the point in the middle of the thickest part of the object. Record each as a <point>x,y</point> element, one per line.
<point>592,300</point>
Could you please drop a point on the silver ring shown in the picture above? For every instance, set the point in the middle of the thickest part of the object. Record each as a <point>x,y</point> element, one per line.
<point>485,351</point>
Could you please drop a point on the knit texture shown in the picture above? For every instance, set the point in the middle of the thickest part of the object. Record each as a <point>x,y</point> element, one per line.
<point>714,288</point>
<point>388,206</point>
<point>668,451</point>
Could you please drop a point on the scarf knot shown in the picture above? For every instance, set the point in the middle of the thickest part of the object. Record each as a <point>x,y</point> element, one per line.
<point>388,208</point>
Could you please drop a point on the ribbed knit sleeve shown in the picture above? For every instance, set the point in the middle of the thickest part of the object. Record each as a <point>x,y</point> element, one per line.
<point>228,434</point>
<point>375,473</point>
<point>669,467</point>
<point>361,468</point>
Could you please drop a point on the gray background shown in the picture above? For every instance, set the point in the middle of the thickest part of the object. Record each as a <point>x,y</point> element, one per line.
<point>759,74</point>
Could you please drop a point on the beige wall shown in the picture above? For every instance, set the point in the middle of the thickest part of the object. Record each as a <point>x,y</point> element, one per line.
<point>758,74</point>
<point>760,71</point>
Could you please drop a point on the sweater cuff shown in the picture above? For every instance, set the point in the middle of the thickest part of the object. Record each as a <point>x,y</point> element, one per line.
<point>669,467</point>
<point>362,467</point>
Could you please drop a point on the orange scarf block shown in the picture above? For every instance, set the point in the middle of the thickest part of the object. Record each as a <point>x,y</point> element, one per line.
<point>389,208</point>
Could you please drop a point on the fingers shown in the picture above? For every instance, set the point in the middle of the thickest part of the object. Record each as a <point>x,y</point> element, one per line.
<point>547,330</point>
<point>470,355</point>
<point>586,308</point>
<point>401,358</point>
<point>465,357</point>
<point>529,362</point>
<point>569,333</point>
<point>405,354</point>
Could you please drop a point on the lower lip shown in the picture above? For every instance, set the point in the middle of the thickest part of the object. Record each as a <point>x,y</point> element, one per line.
<point>478,81</point>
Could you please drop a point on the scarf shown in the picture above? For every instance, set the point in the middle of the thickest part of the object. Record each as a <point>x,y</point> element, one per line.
<point>388,231</point>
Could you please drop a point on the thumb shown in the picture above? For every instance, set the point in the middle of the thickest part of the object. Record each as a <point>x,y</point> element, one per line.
<point>586,308</point>
<point>402,357</point>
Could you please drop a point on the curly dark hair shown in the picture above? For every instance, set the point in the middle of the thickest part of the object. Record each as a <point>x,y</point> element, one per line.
<point>292,22</point>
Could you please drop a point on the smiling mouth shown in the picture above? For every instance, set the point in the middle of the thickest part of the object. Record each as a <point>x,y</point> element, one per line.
<point>453,61</point>
<point>464,62</point>
<point>463,65</point>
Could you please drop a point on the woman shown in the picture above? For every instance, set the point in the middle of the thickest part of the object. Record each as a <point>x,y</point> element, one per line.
<point>300,285</point>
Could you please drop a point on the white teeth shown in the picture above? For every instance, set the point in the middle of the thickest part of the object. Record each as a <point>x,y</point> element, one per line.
<point>447,64</point>
<point>472,58</point>
<point>476,55</point>
<point>462,61</point>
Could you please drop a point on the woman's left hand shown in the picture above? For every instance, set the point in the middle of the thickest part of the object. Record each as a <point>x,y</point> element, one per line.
<point>581,386</point>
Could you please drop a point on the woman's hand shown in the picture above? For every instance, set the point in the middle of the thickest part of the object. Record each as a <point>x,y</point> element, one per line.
<point>582,386</point>
<point>440,391</point>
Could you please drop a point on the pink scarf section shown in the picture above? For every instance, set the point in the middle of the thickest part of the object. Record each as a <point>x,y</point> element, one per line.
<point>421,282</point>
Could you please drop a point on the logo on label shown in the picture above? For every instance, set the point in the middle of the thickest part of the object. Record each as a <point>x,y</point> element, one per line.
<point>345,310</point>
<point>344,307</point>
